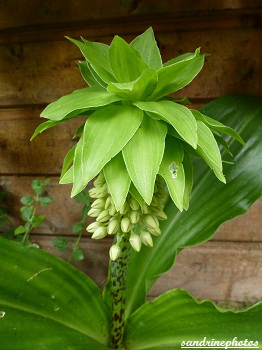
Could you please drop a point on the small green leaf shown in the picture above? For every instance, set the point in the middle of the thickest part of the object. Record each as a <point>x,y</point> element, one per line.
<point>146,45</point>
<point>83,197</point>
<point>118,180</point>
<point>60,243</point>
<point>125,61</point>
<point>97,55</point>
<point>37,186</point>
<point>26,213</point>
<point>78,102</point>
<point>19,230</point>
<point>174,77</point>
<point>44,126</point>
<point>67,178</point>
<point>45,200</point>
<point>172,170</point>
<point>86,73</point>
<point>77,227</point>
<point>68,160</point>
<point>209,151</point>
<point>38,220</point>
<point>107,129</point>
<point>180,117</point>
<point>27,200</point>
<point>78,255</point>
<point>143,155</point>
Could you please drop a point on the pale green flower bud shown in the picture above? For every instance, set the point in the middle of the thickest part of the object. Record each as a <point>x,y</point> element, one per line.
<point>97,192</point>
<point>134,216</point>
<point>145,208</point>
<point>125,224</point>
<point>98,203</point>
<point>135,241</point>
<point>103,216</point>
<point>94,212</point>
<point>113,226</point>
<point>124,209</point>
<point>154,231</point>
<point>93,226</point>
<point>100,180</point>
<point>112,209</point>
<point>114,252</point>
<point>150,221</point>
<point>101,232</point>
<point>154,202</point>
<point>108,202</point>
<point>146,238</point>
<point>160,215</point>
<point>134,204</point>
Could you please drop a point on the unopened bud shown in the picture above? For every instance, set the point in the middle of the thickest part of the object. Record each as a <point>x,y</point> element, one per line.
<point>154,231</point>
<point>98,203</point>
<point>103,216</point>
<point>135,241</point>
<point>134,216</point>
<point>125,224</point>
<point>100,180</point>
<point>160,215</point>
<point>150,221</point>
<point>114,252</point>
<point>101,232</point>
<point>124,209</point>
<point>108,202</point>
<point>97,192</point>
<point>92,227</point>
<point>154,202</point>
<point>112,209</point>
<point>133,204</point>
<point>145,208</point>
<point>146,238</point>
<point>93,212</point>
<point>113,226</point>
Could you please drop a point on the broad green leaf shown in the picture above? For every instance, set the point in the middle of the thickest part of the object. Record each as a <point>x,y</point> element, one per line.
<point>77,102</point>
<point>177,115</point>
<point>48,302</point>
<point>67,177</point>
<point>212,202</point>
<point>208,150</point>
<point>172,170</point>
<point>86,73</point>
<point>175,76</point>
<point>175,318</point>
<point>106,132</point>
<point>97,55</point>
<point>134,192</point>
<point>118,180</point>
<point>125,61</point>
<point>143,155</point>
<point>136,90</point>
<point>146,45</point>
<point>214,124</point>
<point>188,168</point>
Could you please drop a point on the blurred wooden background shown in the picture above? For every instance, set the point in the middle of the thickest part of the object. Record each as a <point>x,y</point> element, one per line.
<point>38,65</point>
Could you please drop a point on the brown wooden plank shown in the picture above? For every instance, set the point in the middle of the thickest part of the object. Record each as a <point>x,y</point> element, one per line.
<point>38,13</point>
<point>64,211</point>
<point>38,73</point>
<point>220,271</point>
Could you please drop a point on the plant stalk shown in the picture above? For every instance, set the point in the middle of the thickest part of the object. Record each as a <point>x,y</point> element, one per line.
<point>119,269</point>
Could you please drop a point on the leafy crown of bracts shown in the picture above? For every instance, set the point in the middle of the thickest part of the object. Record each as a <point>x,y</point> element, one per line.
<point>134,129</point>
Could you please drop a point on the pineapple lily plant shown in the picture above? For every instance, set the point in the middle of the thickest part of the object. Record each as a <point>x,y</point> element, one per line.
<point>137,146</point>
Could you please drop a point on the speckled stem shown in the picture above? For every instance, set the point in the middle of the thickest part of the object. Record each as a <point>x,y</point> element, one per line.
<point>119,270</point>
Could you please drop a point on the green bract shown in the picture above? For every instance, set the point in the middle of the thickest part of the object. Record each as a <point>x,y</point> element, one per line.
<point>134,130</point>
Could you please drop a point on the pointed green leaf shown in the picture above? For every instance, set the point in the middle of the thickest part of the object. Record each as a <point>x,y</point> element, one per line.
<point>176,318</point>
<point>86,73</point>
<point>78,102</point>
<point>125,61</point>
<point>208,150</point>
<point>67,178</point>
<point>214,124</point>
<point>107,129</point>
<point>143,155</point>
<point>172,170</point>
<point>118,180</point>
<point>33,300</point>
<point>146,45</point>
<point>180,117</point>
<point>211,203</point>
<point>183,57</point>
<point>134,192</point>
<point>68,160</point>
<point>44,126</point>
<point>188,168</point>
<point>136,90</point>
<point>175,76</point>
<point>97,55</point>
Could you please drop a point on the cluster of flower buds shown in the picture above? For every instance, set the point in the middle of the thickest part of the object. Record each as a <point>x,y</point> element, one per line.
<point>137,220</point>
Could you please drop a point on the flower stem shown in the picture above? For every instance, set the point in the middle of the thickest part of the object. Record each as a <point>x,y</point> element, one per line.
<point>118,272</point>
